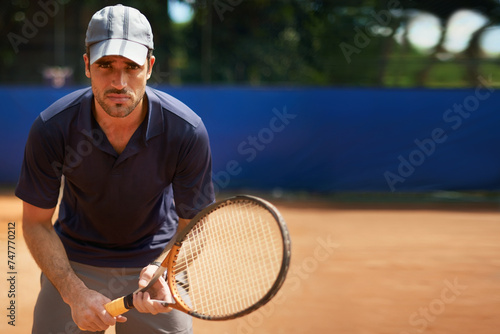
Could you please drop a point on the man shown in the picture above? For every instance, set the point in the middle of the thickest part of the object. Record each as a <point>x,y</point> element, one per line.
<point>136,163</point>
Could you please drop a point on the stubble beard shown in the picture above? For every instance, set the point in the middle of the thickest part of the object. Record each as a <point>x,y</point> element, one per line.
<point>118,110</point>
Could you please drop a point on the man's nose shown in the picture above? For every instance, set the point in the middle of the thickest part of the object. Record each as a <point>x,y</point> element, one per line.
<point>119,79</point>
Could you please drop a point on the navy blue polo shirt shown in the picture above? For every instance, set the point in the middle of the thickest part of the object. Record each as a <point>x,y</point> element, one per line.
<point>117,210</point>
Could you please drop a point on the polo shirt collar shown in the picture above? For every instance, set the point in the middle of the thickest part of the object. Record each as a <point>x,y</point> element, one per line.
<point>155,115</point>
<point>84,124</point>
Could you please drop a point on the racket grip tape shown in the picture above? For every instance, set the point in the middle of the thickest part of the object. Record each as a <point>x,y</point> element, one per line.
<point>120,305</point>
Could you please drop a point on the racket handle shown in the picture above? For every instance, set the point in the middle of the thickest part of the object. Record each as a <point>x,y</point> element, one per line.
<point>120,305</point>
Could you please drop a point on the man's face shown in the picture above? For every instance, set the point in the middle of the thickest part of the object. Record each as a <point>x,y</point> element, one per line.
<point>118,83</point>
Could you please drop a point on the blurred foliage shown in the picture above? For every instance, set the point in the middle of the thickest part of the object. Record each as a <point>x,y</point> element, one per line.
<point>257,42</point>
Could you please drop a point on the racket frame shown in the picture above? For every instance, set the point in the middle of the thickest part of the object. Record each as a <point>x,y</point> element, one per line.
<point>286,255</point>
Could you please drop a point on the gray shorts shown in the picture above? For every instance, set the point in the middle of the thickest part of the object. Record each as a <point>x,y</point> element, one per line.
<point>53,316</point>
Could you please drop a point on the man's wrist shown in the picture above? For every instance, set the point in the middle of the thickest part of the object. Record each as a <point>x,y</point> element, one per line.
<point>71,290</point>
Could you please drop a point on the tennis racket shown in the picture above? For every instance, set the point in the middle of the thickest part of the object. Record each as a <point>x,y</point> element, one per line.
<point>231,259</point>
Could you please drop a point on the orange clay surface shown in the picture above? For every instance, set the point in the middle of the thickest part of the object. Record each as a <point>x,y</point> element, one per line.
<point>356,268</point>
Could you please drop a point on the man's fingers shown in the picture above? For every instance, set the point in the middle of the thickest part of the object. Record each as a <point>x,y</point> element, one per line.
<point>121,318</point>
<point>92,327</point>
<point>140,303</point>
<point>144,304</point>
<point>91,322</point>
<point>106,318</point>
<point>146,274</point>
<point>88,311</point>
<point>99,323</point>
<point>159,308</point>
<point>143,282</point>
<point>143,301</point>
<point>104,322</point>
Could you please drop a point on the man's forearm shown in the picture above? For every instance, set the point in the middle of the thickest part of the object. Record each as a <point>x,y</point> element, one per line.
<point>50,255</point>
<point>87,306</point>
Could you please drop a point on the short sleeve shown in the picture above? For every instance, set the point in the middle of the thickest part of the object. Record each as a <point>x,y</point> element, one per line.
<point>41,171</point>
<point>192,183</point>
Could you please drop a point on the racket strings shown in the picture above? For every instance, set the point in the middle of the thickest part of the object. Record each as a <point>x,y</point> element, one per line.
<point>230,260</point>
<point>246,267</point>
<point>226,278</point>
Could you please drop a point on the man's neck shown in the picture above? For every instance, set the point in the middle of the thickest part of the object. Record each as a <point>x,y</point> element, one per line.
<point>120,130</point>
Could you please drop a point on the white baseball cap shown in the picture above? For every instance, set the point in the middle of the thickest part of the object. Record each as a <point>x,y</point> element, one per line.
<point>119,31</point>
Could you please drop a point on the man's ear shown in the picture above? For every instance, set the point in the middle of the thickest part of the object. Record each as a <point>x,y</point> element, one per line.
<point>150,68</point>
<point>87,65</point>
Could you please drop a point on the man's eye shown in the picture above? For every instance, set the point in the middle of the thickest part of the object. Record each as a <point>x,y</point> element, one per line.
<point>104,66</point>
<point>133,67</point>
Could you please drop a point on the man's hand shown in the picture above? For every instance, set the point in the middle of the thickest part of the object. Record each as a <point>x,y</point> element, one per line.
<point>143,301</point>
<point>87,306</point>
<point>87,310</point>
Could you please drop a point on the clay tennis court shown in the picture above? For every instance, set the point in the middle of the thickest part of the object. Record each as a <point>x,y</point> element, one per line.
<point>356,268</point>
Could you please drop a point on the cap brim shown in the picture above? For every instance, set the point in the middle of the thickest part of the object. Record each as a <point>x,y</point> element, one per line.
<point>119,47</point>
